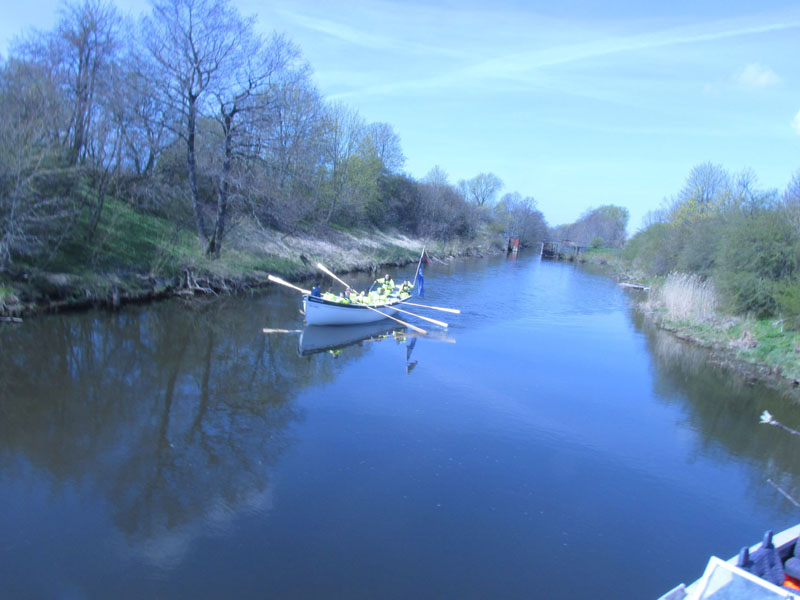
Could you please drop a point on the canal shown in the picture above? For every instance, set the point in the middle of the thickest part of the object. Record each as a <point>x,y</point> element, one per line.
<point>550,444</point>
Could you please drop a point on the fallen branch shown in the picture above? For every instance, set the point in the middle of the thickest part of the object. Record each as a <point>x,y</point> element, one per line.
<point>768,419</point>
<point>783,492</point>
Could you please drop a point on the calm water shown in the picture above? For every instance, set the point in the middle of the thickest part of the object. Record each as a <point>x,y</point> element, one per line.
<point>549,445</point>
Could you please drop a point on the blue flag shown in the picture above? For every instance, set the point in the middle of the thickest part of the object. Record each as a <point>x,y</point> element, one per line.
<point>420,283</point>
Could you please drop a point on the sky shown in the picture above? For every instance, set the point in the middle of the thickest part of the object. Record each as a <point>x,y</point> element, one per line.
<point>576,103</point>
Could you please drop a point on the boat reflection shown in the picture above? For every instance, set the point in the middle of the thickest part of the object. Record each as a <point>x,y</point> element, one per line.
<point>334,338</point>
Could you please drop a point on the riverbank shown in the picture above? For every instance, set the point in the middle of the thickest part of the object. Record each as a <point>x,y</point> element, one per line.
<point>177,266</point>
<point>763,350</point>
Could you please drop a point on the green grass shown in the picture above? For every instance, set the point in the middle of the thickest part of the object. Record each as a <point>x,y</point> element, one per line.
<point>775,347</point>
<point>6,293</point>
<point>608,257</point>
<point>393,254</point>
<point>761,342</point>
<point>129,240</point>
<point>234,263</point>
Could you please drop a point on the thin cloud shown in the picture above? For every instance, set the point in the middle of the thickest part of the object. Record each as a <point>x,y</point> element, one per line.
<point>520,67</point>
<point>358,37</point>
<point>796,123</point>
<point>513,64</point>
<point>756,76</point>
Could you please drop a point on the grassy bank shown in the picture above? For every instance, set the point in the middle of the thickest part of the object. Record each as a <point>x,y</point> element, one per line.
<point>135,257</point>
<point>688,306</point>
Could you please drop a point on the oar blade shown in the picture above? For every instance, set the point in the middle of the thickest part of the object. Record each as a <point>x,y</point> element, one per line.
<point>280,281</point>
<point>455,311</point>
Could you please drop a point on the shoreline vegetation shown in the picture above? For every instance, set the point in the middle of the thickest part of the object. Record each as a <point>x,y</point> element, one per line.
<point>765,350</point>
<point>187,272</point>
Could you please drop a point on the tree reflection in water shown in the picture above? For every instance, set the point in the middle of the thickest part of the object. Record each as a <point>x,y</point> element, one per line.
<point>174,416</point>
<point>724,408</point>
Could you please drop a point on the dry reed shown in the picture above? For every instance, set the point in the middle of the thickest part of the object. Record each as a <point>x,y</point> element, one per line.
<point>686,298</point>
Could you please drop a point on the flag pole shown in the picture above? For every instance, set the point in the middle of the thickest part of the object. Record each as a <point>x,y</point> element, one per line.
<point>416,274</point>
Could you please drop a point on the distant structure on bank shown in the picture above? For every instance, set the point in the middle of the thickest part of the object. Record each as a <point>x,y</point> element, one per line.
<point>564,249</point>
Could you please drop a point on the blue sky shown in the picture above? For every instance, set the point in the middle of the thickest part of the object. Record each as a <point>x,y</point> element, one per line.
<point>576,103</point>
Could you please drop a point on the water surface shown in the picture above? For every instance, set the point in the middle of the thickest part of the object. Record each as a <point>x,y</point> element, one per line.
<point>550,444</point>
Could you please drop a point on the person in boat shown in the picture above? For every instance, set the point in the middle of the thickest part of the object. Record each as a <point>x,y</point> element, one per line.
<point>357,297</point>
<point>388,285</point>
<point>315,291</point>
<point>383,285</point>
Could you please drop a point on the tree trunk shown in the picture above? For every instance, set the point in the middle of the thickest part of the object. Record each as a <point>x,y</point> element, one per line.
<point>191,126</point>
<point>215,245</point>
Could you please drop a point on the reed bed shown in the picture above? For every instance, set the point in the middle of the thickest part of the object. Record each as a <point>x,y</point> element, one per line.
<point>685,297</point>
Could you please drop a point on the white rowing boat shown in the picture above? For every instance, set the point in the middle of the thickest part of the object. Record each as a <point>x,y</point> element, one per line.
<point>319,311</point>
<point>370,307</point>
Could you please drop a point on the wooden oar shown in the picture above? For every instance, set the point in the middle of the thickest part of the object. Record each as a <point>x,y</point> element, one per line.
<point>450,310</point>
<point>265,330</point>
<point>287,284</point>
<point>409,325</point>
<point>330,273</point>
<point>439,323</point>
<point>322,268</point>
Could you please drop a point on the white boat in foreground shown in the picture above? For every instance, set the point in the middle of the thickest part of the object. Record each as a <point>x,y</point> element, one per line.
<point>319,311</point>
<point>766,571</point>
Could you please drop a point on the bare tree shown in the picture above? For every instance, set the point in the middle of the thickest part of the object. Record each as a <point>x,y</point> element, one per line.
<point>384,143</point>
<point>790,200</point>
<point>148,120</point>
<point>241,99</point>
<point>482,189</point>
<point>291,129</point>
<point>87,38</point>
<point>343,133</point>
<point>37,208</point>
<point>520,217</point>
<point>603,226</point>
<point>792,193</point>
<point>195,44</point>
<point>708,185</point>
<point>77,55</point>
<point>437,176</point>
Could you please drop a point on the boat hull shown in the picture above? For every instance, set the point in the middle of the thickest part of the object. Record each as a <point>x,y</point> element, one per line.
<point>322,312</point>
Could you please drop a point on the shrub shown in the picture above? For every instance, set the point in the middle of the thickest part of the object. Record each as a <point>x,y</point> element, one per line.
<point>653,250</point>
<point>696,250</point>
<point>758,262</point>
